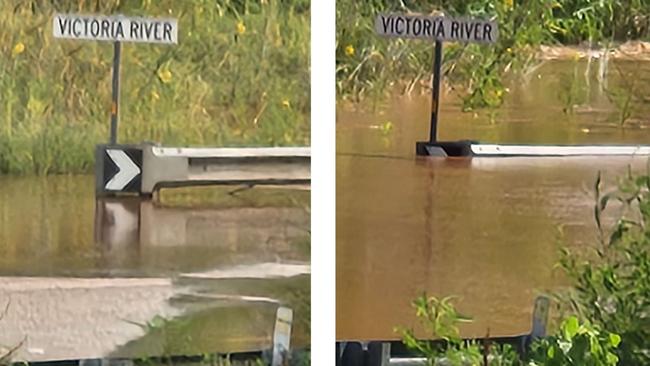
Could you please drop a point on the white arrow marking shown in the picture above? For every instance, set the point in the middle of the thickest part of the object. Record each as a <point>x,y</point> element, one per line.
<point>127,170</point>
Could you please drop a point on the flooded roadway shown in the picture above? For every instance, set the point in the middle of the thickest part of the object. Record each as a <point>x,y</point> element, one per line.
<point>200,272</point>
<point>482,229</point>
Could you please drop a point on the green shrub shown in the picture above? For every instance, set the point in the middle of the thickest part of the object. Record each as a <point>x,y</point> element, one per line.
<point>611,284</point>
<point>440,319</point>
<point>576,345</point>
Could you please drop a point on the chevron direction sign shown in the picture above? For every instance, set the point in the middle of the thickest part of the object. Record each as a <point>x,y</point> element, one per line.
<point>120,169</point>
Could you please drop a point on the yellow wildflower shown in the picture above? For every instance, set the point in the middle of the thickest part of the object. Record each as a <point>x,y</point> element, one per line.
<point>349,50</point>
<point>499,93</point>
<point>509,50</point>
<point>165,76</point>
<point>18,49</point>
<point>241,28</point>
<point>286,104</point>
<point>508,3</point>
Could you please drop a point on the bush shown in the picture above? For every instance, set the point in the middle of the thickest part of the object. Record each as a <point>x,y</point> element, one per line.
<point>576,343</point>
<point>611,284</point>
<point>440,319</point>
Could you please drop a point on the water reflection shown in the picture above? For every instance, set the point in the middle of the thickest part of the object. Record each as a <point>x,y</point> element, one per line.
<point>114,272</point>
<point>136,233</point>
<point>53,227</point>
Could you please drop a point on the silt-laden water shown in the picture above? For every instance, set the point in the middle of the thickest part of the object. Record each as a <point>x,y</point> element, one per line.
<point>484,229</point>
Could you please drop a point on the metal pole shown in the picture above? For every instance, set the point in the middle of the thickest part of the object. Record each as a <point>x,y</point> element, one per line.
<point>115,103</point>
<point>435,92</point>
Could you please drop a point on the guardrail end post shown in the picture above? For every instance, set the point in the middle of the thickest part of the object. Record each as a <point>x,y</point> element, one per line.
<point>282,336</point>
<point>540,317</point>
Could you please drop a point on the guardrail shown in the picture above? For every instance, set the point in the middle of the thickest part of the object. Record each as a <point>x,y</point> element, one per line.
<point>476,149</point>
<point>143,169</point>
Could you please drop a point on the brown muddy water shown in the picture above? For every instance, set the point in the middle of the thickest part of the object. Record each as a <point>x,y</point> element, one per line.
<point>198,271</point>
<point>484,229</point>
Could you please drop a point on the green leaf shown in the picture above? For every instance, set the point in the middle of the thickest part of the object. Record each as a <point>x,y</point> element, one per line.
<point>550,352</point>
<point>612,359</point>
<point>570,327</point>
<point>614,339</point>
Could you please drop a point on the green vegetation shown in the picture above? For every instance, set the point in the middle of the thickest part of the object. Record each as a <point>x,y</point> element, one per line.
<point>575,343</point>
<point>605,310</point>
<point>611,283</point>
<point>369,66</point>
<point>238,76</point>
<point>441,319</point>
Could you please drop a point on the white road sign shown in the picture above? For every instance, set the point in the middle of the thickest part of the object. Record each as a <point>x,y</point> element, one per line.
<point>115,28</point>
<point>436,28</point>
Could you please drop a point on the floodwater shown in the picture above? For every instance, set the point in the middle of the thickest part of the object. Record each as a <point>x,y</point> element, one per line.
<point>197,271</point>
<point>485,230</point>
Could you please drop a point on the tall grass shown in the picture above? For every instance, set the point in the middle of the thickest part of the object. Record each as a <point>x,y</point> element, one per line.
<point>239,75</point>
<point>369,66</point>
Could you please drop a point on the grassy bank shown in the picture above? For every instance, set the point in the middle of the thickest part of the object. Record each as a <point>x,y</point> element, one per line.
<point>239,75</point>
<point>367,65</point>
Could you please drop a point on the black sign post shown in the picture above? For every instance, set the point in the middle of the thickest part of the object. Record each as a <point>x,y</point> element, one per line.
<point>435,91</point>
<point>115,104</point>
